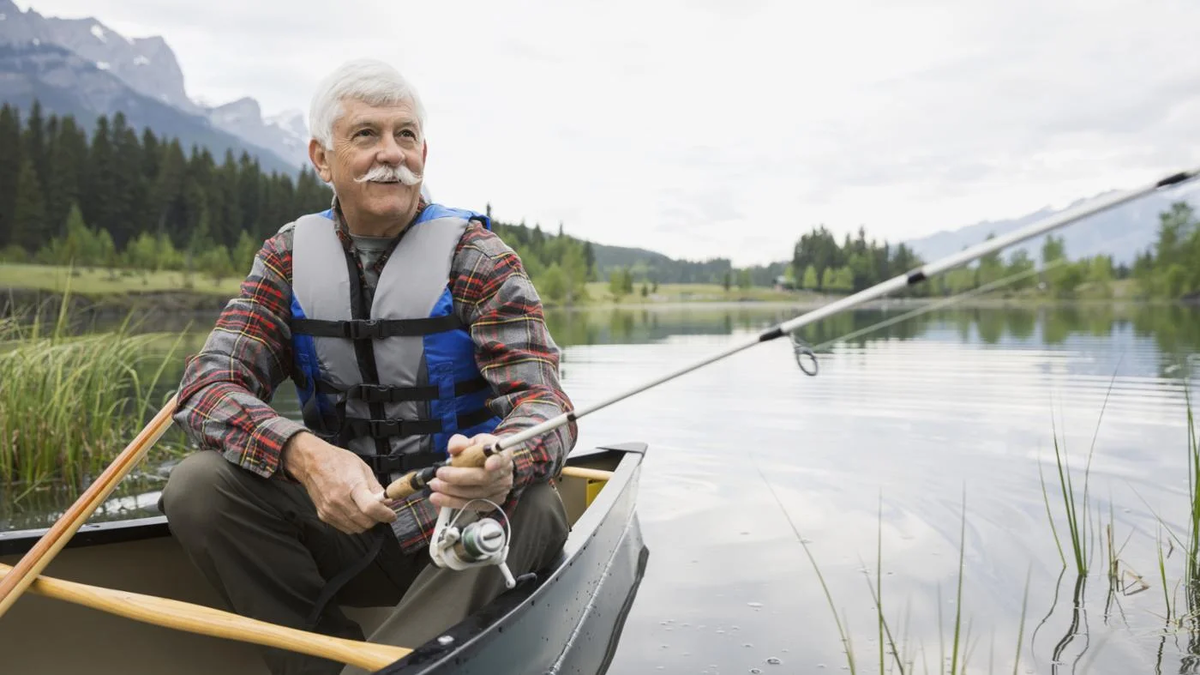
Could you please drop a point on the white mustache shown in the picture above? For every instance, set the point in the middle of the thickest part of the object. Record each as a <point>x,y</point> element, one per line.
<point>383,173</point>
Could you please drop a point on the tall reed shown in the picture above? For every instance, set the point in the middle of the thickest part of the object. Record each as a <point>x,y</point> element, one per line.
<point>69,404</point>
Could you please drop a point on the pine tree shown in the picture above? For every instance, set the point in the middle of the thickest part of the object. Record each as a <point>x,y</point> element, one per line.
<point>10,167</point>
<point>165,211</point>
<point>99,199</point>
<point>68,159</point>
<point>36,146</point>
<point>249,194</point>
<point>129,212</point>
<point>29,213</point>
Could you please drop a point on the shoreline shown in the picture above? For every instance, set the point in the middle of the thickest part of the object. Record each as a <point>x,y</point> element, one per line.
<point>185,302</point>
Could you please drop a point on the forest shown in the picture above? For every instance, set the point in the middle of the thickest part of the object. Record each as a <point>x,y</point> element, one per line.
<point>118,198</point>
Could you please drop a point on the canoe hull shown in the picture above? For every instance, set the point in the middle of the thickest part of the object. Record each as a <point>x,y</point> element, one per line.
<point>567,620</point>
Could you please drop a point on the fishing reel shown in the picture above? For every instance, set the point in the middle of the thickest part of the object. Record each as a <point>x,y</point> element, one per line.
<point>476,544</point>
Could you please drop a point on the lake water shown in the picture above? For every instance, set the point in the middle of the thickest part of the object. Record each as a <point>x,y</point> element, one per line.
<point>927,439</point>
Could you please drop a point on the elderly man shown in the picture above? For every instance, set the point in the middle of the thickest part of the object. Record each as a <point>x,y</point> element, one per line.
<point>411,332</point>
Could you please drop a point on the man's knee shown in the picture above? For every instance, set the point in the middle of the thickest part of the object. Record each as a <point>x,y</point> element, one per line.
<point>197,493</point>
<point>540,519</point>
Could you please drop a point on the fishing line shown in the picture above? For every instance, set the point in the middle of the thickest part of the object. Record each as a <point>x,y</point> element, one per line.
<point>802,348</point>
<point>418,480</point>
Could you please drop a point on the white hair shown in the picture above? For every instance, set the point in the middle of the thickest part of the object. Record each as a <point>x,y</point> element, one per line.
<point>368,80</point>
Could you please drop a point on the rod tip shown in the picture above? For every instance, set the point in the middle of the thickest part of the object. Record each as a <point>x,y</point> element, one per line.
<point>1176,179</point>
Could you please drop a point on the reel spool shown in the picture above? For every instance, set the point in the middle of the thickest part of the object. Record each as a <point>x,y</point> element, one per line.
<point>478,543</point>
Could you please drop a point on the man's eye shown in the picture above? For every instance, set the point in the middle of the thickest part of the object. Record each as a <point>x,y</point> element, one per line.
<point>409,133</point>
<point>363,133</point>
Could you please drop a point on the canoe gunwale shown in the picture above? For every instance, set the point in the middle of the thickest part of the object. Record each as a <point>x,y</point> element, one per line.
<point>613,510</point>
<point>479,629</point>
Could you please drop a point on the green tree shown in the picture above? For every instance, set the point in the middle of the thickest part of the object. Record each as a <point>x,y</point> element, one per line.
<point>142,253</point>
<point>844,278</point>
<point>1100,275</point>
<point>99,199</point>
<point>36,146</point>
<point>828,279</point>
<point>244,252</point>
<point>743,279</point>
<point>29,213</point>
<point>1018,264</point>
<point>10,168</point>
<point>553,284</point>
<point>82,244</point>
<point>218,264</point>
<point>68,159</point>
<point>616,282</point>
<point>727,281</point>
<point>810,278</point>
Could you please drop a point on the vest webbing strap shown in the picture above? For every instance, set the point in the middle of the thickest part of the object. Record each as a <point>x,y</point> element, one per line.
<point>378,393</point>
<point>375,329</point>
<point>402,462</point>
<point>357,427</point>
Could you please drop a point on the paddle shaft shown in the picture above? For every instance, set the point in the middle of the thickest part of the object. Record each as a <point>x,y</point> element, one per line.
<point>203,620</point>
<point>417,480</point>
<point>36,559</point>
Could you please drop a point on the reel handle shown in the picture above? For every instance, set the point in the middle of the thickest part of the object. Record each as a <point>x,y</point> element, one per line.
<point>415,481</point>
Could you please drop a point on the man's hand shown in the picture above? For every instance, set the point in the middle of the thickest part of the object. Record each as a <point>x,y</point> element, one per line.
<point>340,484</point>
<point>455,486</point>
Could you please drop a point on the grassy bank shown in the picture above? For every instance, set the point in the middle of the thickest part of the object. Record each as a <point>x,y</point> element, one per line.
<point>99,281</point>
<point>69,404</point>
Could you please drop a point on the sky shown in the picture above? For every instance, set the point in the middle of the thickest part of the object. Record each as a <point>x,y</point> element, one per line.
<point>707,129</point>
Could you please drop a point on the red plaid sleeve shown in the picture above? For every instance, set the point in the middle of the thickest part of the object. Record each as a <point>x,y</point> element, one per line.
<point>223,393</point>
<point>514,351</point>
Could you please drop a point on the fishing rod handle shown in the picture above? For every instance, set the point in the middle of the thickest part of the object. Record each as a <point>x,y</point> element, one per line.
<point>415,481</point>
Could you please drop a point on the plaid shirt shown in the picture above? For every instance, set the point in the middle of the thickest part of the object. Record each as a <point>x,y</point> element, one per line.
<point>226,387</point>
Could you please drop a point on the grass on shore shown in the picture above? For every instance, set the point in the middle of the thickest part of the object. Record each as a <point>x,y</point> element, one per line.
<point>69,404</point>
<point>599,293</point>
<point>98,281</point>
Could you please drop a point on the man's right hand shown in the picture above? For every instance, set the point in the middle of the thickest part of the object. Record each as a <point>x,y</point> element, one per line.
<point>340,484</point>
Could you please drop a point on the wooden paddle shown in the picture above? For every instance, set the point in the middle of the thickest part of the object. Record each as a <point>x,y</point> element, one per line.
<point>36,559</point>
<point>203,620</point>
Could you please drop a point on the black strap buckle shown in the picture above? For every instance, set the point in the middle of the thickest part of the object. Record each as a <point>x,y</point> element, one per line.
<point>385,464</point>
<point>382,428</point>
<point>370,393</point>
<point>367,329</point>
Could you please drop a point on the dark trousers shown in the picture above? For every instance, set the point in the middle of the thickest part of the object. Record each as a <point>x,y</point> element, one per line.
<point>259,542</point>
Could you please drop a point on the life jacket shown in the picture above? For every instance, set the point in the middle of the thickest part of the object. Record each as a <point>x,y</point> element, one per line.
<point>390,382</point>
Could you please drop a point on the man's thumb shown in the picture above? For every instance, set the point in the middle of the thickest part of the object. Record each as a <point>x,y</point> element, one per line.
<point>457,444</point>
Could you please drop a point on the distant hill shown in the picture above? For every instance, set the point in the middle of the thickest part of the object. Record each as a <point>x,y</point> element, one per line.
<point>1122,232</point>
<point>656,266</point>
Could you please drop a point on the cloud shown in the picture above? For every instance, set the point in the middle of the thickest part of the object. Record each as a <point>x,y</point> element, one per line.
<point>704,129</point>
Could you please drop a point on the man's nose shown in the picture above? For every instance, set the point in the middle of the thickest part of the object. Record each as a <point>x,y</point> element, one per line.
<point>390,151</point>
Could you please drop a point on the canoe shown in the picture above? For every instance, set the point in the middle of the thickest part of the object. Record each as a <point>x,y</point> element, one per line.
<point>567,620</point>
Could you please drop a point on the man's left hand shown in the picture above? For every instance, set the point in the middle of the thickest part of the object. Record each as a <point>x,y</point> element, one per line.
<point>455,486</point>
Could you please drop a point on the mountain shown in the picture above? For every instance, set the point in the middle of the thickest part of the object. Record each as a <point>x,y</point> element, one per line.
<point>147,65</point>
<point>285,135</point>
<point>67,84</point>
<point>1122,232</point>
<point>84,68</point>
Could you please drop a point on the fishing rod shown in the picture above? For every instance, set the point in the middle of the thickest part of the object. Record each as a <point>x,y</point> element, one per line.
<point>475,456</point>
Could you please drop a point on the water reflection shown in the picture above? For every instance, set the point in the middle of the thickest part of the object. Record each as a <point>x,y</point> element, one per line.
<point>953,404</point>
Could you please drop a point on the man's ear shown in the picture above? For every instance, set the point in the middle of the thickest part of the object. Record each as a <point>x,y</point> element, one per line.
<point>320,159</point>
<point>424,150</point>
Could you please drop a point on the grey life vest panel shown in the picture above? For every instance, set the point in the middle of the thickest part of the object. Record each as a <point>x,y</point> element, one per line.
<point>394,381</point>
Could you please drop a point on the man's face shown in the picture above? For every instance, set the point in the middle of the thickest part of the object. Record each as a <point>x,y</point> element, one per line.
<point>367,138</point>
